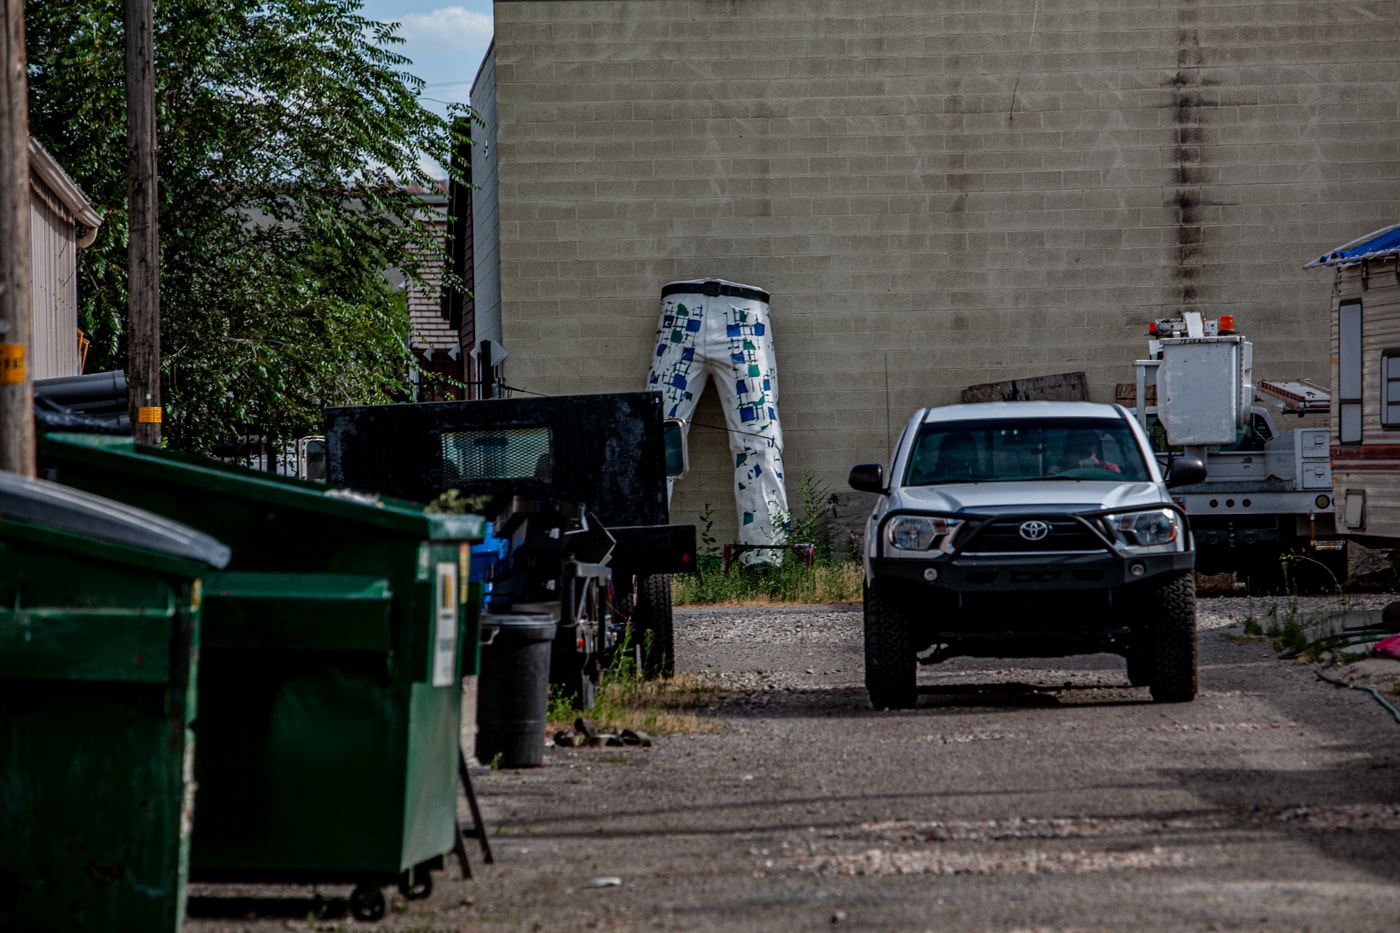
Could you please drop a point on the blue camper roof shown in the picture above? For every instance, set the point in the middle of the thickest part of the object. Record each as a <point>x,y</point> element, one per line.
<point>1383,242</point>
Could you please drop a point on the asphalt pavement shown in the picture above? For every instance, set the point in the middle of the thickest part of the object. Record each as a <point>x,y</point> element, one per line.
<point>1018,796</point>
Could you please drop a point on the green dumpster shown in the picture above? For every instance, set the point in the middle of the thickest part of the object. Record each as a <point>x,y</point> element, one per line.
<point>99,640</point>
<point>330,676</point>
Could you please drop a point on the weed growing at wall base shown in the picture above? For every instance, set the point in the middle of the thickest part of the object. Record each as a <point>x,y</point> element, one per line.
<point>790,582</point>
<point>828,580</point>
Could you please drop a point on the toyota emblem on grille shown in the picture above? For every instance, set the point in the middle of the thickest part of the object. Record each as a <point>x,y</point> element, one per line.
<point>1035,530</point>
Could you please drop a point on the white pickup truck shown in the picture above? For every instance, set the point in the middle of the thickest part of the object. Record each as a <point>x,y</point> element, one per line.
<point>1027,529</point>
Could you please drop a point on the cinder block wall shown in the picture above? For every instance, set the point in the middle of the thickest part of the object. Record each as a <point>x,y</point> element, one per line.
<point>978,192</point>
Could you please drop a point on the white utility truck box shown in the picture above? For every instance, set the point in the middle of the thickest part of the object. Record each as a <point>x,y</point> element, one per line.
<point>1204,388</point>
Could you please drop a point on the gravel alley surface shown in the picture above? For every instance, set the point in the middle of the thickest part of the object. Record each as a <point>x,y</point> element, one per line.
<point>1018,796</point>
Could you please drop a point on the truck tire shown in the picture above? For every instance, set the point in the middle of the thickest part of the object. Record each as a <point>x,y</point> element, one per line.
<point>891,669</point>
<point>1171,607</point>
<point>653,626</point>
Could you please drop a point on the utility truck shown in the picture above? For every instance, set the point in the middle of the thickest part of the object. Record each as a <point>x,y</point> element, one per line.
<point>1268,488</point>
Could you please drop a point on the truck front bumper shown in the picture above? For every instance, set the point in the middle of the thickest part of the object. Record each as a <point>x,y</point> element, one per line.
<point>968,573</point>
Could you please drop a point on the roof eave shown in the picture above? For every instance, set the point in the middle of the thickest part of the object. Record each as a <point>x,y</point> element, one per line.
<point>64,188</point>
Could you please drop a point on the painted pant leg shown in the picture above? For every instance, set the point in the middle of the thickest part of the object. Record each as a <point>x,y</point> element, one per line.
<point>730,341</point>
<point>677,371</point>
<point>739,354</point>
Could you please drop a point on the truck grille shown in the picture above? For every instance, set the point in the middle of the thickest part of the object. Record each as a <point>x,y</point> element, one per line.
<point>1004,537</point>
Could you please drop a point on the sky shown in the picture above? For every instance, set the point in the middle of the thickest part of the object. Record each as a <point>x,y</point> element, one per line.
<point>446,42</point>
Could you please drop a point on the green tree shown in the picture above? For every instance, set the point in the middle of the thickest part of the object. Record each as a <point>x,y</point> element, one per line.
<point>288,131</point>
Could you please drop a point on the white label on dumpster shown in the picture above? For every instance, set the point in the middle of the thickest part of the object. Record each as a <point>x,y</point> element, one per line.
<point>445,636</point>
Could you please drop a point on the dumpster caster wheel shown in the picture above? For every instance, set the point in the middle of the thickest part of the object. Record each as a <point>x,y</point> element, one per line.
<point>367,903</point>
<point>415,886</point>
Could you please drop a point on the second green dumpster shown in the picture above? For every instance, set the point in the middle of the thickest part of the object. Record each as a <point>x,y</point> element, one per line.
<point>334,647</point>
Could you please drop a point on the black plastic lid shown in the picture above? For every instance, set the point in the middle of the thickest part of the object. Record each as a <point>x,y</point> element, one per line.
<point>38,502</point>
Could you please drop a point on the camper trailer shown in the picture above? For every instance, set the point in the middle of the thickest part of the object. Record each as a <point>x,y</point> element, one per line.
<point>1365,432</point>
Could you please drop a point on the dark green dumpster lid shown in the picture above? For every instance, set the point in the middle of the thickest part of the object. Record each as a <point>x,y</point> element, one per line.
<point>38,502</point>
<point>122,456</point>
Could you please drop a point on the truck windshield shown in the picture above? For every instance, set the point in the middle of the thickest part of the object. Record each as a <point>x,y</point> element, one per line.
<point>1011,451</point>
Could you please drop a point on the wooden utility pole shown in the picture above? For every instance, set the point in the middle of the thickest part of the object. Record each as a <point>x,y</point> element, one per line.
<point>16,379</point>
<point>143,224</point>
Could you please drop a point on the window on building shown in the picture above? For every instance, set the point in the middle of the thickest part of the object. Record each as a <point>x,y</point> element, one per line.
<point>1349,372</point>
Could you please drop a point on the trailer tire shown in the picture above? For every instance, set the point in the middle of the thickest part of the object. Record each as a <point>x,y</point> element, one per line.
<point>653,625</point>
<point>891,669</point>
<point>1171,608</point>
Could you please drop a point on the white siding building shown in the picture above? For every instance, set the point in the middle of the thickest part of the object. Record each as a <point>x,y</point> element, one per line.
<point>57,206</point>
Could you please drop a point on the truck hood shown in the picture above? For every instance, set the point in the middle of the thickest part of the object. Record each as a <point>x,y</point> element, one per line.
<point>1049,495</point>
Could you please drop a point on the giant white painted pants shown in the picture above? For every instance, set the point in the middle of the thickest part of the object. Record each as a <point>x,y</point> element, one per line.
<point>711,328</point>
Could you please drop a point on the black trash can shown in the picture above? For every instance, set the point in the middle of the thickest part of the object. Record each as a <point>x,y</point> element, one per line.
<point>513,692</point>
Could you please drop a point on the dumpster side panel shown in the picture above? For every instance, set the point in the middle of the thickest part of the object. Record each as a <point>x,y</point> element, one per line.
<point>431,774</point>
<point>93,836</point>
<point>300,772</point>
<point>95,753</point>
<point>434,720</point>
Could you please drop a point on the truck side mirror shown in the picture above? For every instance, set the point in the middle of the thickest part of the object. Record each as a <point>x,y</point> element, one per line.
<point>867,477</point>
<point>673,441</point>
<point>311,458</point>
<point>1185,471</point>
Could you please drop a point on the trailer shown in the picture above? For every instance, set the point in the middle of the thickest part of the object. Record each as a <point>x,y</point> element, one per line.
<point>576,490</point>
<point>1365,423</point>
<point>1268,491</point>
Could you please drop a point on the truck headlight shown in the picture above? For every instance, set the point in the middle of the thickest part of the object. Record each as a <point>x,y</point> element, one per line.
<point>1159,528</point>
<point>919,532</point>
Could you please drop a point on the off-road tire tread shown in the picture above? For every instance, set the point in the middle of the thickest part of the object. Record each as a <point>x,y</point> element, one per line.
<point>1173,605</point>
<point>653,625</point>
<point>891,670</point>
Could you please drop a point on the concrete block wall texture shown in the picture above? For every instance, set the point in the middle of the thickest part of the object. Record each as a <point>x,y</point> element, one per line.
<point>936,195</point>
